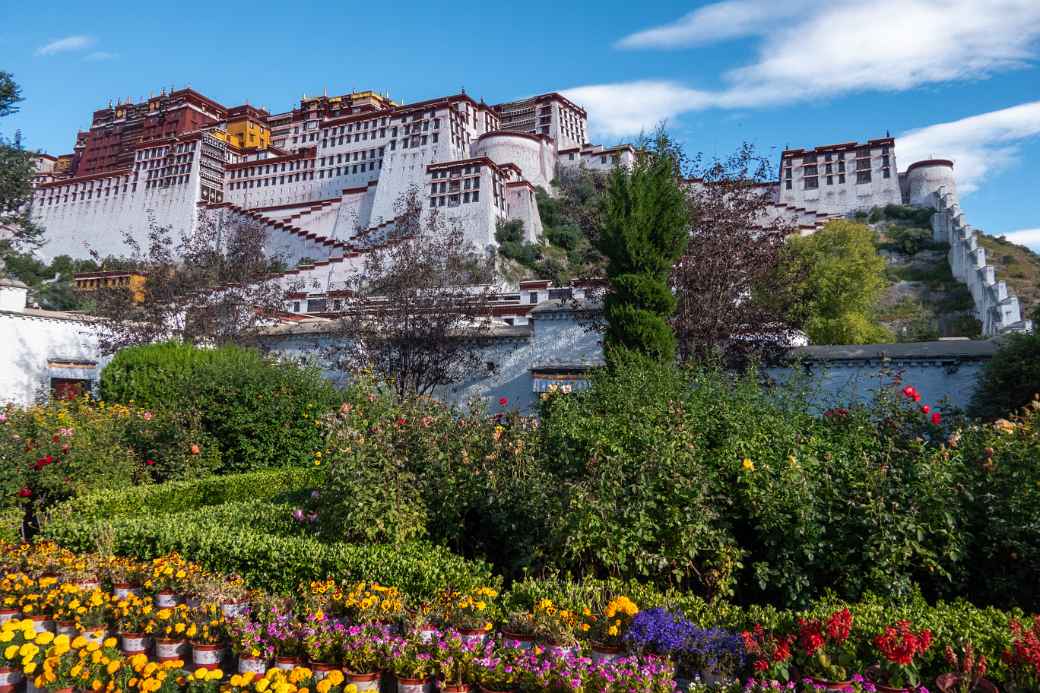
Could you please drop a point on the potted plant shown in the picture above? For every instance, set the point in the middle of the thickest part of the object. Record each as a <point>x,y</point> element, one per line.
<point>495,673</point>
<point>284,632</point>
<point>770,653</point>
<point>125,575</point>
<point>370,602</point>
<point>229,592</point>
<point>206,633</point>
<point>363,656</point>
<point>607,629</point>
<point>411,662</point>
<point>824,653</point>
<point>556,627</point>
<point>56,672</point>
<point>899,646</point>
<point>170,629</point>
<point>518,630</point>
<point>453,656</point>
<point>249,643</point>
<point>969,671</point>
<point>134,619</point>
<point>168,578</point>
<point>322,642</point>
<point>650,674</point>
<point>92,616</point>
<point>714,655</point>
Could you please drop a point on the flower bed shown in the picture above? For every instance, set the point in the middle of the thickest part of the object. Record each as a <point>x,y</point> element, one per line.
<point>334,637</point>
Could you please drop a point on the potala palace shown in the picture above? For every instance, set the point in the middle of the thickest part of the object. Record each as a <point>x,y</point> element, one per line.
<point>324,178</point>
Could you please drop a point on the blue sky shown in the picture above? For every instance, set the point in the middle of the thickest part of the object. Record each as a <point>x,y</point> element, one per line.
<point>952,78</point>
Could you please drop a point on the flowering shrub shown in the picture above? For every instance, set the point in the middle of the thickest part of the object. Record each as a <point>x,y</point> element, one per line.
<point>770,653</point>
<point>1023,657</point>
<point>824,650</point>
<point>899,645</point>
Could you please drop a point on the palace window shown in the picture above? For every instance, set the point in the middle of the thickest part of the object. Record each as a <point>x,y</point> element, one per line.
<point>862,177</point>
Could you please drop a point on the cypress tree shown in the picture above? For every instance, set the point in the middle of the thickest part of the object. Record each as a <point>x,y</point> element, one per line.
<point>644,232</point>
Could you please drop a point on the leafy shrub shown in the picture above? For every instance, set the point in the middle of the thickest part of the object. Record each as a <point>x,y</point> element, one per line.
<point>1011,379</point>
<point>180,496</point>
<point>261,412</point>
<point>265,560</point>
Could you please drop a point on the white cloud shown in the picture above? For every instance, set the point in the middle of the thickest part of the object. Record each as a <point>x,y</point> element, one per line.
<point>817,49</point>
<point>1027,237</point>
<point>631,107</point>
<point>98,56</point>
<point>979,145</point>
<point>66,44</point>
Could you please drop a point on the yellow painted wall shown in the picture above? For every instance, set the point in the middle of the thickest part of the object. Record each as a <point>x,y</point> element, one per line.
<point>248,134</point>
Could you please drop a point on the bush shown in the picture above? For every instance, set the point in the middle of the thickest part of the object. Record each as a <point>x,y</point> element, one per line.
<point>180,496</point>
<point>260,412</point>
<point>1011,379</point>
<point>272,562</point>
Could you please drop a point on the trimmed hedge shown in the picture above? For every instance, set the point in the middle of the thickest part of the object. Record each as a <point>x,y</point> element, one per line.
<point>182,496</point>
<point>276,563</point>
<point>11,524</point>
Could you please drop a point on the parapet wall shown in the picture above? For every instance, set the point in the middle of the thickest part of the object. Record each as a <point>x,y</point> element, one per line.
<point>999,310</point>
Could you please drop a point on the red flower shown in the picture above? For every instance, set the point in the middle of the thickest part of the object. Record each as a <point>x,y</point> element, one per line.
<point>810,635</point>
<point>195,449</point>
<point>936,418</point>
<point>909,391</point>
<point>925,409</point>
<point>503,401</point>
<point>899,644</point>
<point>917,397</point>
<point>761,665</point>
<point>25,492</point>
<point>55,438</point>
<point>402,421</point>
<point>149,462</point>
<point>839,625</point>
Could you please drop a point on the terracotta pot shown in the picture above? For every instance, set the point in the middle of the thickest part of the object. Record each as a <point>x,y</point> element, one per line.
<point>474,635</point>
<point>42,623</point>
<point>519,640</point>
<point>426,633</point>
<point>461,688</point>
<point>167,649</point>
<point>363,682</point>
<point>8,614</point>
<point>832,685</point>
<point>207,656</point>
<point>559,650</point>
<point>604,654</point>
<point>167,599</point>
<point>947,683</point>
<point>88,585</point>
<point>133,643</point>
<point>286,663</point>
<point>95,635</point>
<point>10,678</point>
<point>321,670</point>
<point>123,590</point>
<point>414,685</point>
<point>255,665</point>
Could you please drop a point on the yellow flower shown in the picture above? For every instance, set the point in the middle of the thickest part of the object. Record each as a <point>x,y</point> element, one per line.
<point>748,464</point>
<point>262,685</point>
<point>29,668</point>
<point>11,652</point>
<point>113,666</point>
<point>111,642</point>
<point>215,675</point>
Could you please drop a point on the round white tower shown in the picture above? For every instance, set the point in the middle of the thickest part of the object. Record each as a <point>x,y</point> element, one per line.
<point>924,178</point>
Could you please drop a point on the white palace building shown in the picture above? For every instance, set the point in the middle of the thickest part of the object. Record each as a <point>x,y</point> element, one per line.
<point>324,178</point>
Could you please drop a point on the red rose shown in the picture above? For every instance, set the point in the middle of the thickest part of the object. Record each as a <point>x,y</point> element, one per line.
<point>149,462</point>
<point>503,401</point>
<point>909,391</point>
<point>936,418</point>
<point>25,492</point>
<point>917,397</point>
<point>925,409</point>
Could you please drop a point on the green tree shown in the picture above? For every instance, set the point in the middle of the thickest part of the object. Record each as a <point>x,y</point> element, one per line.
<point>837,278</point>
<point>1011,379</point>
<point>643,233</point>
<point>17,169</point>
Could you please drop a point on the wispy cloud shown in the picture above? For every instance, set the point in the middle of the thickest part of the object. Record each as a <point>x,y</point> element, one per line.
<point>98,56</point>
<point>1027,237</point>
<point>979,146</point>
<point>66,44</point>
<point>809,49</point>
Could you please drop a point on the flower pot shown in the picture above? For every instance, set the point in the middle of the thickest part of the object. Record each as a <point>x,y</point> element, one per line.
<point>88,585</point>
<point>95,635</point>
<point>8,614</point>
<point>233,609</point>
<point>167,599</point>
<point>461,688</point>
<point>363,682</point>
<point>207,656</point>
<point>255,665</point>
<point>286,663</point>
<point>471,636</point>
<point>9,679</point>
<point>123,590</point>
<point>604,654</point>
<point>414,685</point>
<point>320,670</point>
<point>491,690</point>
<point>948,683</point>
<point>66,628</point>
<point>42,623</point>
<point>167,649</point>
<point>554,650</point>
<point>518,640</point>
<point>426,633</point>
<point>831,685</point>
<point>133,643</point>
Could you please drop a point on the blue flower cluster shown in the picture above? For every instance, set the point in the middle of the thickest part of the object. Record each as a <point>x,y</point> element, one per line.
<point>659,631</point>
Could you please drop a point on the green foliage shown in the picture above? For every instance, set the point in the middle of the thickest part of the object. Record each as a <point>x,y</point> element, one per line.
<point>644,232</point>
<point>838,278</point>
<point>269,561</point>
<point>1011,379</point>
<point>910,240</point>
<point>908,215</point>
<point>51,285</point>
<point>261,412</point>
<point>182,496</point>
<point>17,169</point>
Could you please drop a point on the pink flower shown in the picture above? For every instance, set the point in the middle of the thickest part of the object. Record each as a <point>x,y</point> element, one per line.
<point>25,492</point>
<point>149,462</point>
<point>147,416</point>
<point>909,391</point>
<point>917,397</point>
